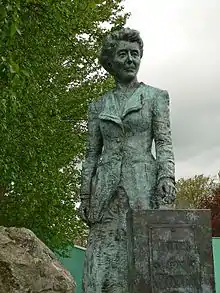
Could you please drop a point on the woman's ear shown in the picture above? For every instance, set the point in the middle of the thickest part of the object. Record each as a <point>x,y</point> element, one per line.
<point>110,69</point>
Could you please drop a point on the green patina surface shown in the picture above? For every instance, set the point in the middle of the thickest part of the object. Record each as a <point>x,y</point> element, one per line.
<point>119,172</point>
<point>75,264</point>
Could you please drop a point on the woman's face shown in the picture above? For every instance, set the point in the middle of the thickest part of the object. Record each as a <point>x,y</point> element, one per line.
<point>126,61</point>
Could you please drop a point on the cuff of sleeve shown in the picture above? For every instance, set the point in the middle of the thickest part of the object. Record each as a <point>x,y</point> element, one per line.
<point>84,196</point>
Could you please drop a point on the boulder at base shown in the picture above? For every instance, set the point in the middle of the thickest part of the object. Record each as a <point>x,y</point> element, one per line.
<point>27,265</point>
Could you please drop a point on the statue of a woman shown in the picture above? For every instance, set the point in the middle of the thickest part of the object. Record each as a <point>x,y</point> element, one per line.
<point>120,172</point>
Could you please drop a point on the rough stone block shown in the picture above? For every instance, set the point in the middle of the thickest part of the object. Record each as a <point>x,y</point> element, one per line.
<point>27,265</point>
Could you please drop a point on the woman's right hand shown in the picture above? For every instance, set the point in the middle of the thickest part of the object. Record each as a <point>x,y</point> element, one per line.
<point>84,210</point>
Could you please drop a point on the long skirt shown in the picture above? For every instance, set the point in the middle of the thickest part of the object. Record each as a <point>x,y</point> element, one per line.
<point>106,264</point>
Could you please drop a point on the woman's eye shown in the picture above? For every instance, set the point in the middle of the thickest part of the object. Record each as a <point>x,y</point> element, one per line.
<point>121,53</point>
<point>135,54</point>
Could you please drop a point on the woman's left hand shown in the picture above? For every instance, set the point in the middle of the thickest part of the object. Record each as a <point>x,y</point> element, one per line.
<point>166,190</point>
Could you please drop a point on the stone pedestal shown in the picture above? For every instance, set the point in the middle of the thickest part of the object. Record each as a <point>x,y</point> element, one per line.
<point>170,251</point>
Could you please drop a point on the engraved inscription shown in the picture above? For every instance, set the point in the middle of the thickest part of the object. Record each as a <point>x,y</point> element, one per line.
<point>174,245</point>
<point>174,265</point>
<point>174,281</point>
<point>174,259</point>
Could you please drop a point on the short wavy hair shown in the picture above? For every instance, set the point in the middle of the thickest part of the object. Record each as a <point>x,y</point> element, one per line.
<point>110,44</point>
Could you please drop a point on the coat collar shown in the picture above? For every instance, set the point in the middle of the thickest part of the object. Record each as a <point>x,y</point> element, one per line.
<point>110,109</point>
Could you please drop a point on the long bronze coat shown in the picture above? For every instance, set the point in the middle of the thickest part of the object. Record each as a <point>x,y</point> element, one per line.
<point>119,149</point>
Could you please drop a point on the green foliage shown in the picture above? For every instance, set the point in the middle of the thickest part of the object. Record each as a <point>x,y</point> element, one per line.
<point>48,73</point>
<point>190,191</point>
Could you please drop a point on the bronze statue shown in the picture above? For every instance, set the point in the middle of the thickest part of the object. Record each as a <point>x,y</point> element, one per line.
<point>119,171</point>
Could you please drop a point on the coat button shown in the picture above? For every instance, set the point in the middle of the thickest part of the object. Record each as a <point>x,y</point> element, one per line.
<point>118,139</point>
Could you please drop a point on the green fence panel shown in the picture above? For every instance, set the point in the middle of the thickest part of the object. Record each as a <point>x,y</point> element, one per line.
<point>216,256</point>
<point>74,264</point>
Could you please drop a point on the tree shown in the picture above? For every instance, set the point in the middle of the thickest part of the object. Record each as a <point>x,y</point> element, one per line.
<point>48,73</point>
<point>190,191</point>
<point>212,202</point>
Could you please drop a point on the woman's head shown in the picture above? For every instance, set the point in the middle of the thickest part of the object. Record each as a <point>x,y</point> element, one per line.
<point>122,48</point>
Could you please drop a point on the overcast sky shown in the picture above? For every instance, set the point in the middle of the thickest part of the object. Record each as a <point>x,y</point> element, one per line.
<point>182,55</point>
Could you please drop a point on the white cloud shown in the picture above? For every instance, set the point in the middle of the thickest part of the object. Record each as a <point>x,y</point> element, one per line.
<point>181,54</point>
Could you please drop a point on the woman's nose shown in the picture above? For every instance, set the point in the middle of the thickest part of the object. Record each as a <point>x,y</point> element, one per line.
<point>129,57</point>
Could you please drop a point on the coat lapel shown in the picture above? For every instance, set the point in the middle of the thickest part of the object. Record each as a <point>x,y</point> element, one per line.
<point>135,102</point>
<point>110,110</point>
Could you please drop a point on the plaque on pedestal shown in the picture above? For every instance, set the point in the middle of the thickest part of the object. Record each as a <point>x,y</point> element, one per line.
<point>170,251</point>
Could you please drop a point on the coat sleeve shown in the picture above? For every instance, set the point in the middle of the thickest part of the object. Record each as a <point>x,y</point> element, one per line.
<point>93,151</point>
<point>162,136</point>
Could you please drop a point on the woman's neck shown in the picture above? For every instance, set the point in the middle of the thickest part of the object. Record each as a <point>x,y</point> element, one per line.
<point>126,86</point>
